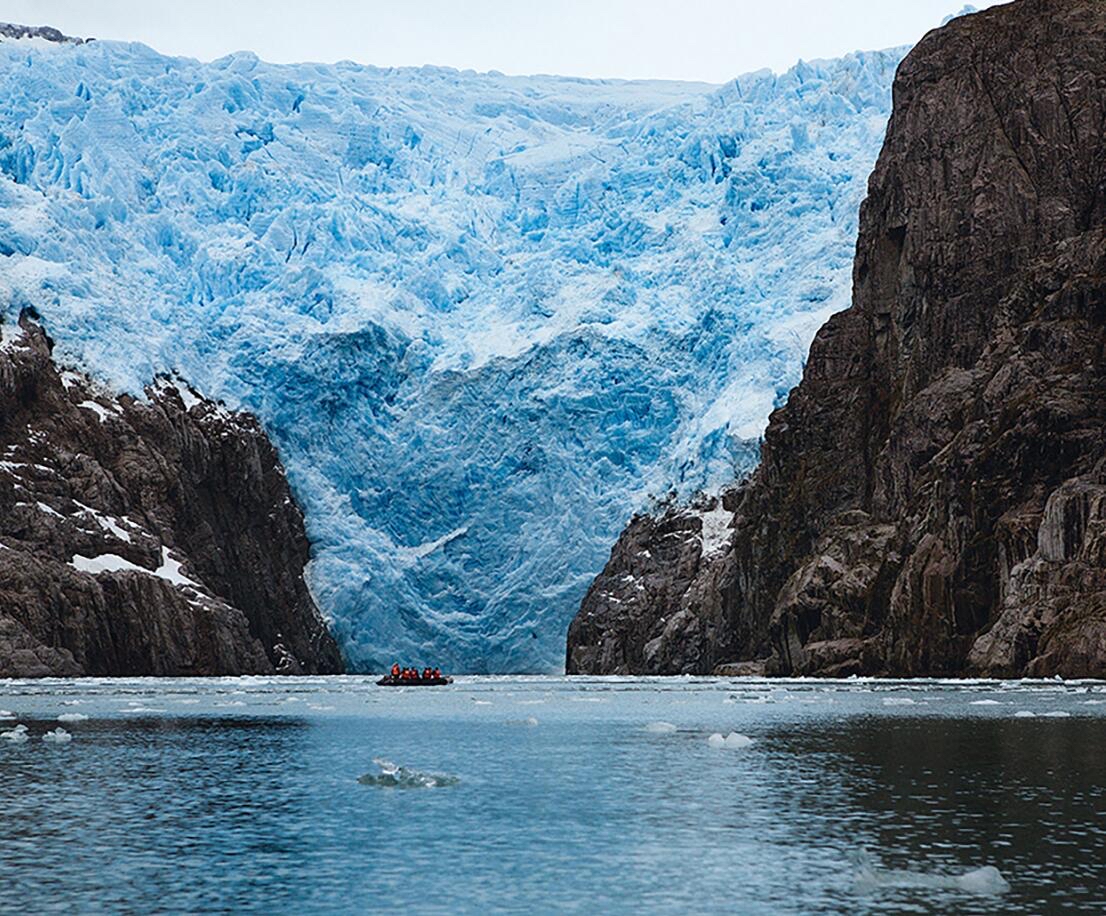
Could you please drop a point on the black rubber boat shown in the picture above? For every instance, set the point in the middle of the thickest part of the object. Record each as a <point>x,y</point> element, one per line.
<point>389,681</point>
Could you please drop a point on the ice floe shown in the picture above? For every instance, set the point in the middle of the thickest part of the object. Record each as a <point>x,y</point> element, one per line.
<point>733,741</point>
<point>16,735</point>
<point>72,717</point>
<point>661,728</point>
<point>58,736</point>
<point>985,881</point>
<point>393,776</point>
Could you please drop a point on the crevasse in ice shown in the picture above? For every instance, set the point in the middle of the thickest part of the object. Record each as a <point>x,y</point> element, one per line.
<point>485,318</point>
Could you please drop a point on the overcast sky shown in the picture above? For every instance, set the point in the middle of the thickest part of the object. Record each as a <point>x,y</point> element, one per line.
<point>667,39</point>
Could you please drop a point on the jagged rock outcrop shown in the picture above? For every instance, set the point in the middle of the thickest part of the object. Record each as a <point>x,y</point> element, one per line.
<point>15,32</point>
<point>930,500</point>
<point>153,537</point>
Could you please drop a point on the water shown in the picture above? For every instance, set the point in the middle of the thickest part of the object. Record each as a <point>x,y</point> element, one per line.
<point>548,794</point>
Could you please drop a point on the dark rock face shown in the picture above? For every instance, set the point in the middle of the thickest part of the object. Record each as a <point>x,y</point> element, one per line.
<point>47,33</point>
<point>932,498</point>
<point>143,538</point>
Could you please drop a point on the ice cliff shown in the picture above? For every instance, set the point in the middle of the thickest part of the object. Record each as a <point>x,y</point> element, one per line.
<point>484,318</point>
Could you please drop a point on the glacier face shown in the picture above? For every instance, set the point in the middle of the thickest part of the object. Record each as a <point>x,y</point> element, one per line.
<point>484,317</point>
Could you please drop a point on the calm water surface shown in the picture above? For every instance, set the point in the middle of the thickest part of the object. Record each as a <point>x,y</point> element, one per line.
<point>566,796</point>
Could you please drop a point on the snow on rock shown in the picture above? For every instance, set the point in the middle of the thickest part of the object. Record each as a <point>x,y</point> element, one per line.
<point>169,570</point>
<point>102,412</point>
<point>483,317</point>
<point>716,528</point>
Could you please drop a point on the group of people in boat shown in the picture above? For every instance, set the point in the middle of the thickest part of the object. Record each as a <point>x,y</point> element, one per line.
<point>412,674</point>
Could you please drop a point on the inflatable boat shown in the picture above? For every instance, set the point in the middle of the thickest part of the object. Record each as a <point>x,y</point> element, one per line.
<point>389,681</point>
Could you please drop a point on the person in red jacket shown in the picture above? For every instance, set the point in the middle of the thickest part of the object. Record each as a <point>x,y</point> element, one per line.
<point>395,670</point>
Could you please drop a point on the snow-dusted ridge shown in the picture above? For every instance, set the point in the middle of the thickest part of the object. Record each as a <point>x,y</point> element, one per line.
<point>484,317</point>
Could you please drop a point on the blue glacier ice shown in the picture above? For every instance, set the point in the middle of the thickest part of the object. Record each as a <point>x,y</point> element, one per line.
<point>485,318</point>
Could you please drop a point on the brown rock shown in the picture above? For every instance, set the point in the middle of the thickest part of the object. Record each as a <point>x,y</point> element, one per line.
<point>143,537</point>
<point>929,499</point>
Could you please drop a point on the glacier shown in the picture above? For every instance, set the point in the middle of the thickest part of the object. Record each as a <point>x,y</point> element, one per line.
<point>484,318</point>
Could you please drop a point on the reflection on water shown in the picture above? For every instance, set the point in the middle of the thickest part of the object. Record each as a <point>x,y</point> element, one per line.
<point>250,795</point>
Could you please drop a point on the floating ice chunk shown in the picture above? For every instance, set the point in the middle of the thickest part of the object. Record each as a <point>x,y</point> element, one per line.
<point>1025,714</point>
<point>661,728</point>
<point>985,881</point>
<point>733,741</point>
<point>16,735</point>
<point>897,701</point>
<point>1057,714</point>
<point>72,717</point>
<point>58,736</point>
<point>984,703</point>
<point>144,709</point>
<point>393,776</point>
<point>482,702</point>
<point>319,706</point>
<point>5,714</point>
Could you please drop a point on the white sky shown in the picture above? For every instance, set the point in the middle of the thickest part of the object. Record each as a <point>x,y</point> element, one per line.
<point>664,39</point>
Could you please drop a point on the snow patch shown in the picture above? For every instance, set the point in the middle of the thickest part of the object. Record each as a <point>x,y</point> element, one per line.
<point>102,412</point>
<point>716,531</point>
<point>169,570</point>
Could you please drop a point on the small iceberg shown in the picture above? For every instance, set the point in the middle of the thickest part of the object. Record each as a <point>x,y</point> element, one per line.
<point>17,735</point>
<point>393,776</point>
<point>661,728</point>
<point>72,717</point>
<point>1025,714</point>
<point>733,741</point>
<point>1057,714</point>
<point>985,881</point>
<point>897,701</point>
<point>58,736</point>
<point>5,715</point>
<point>984,703</point>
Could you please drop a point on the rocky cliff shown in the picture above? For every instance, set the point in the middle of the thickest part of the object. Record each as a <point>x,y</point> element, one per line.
<point>143,537</point>
<point>932,497</point>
